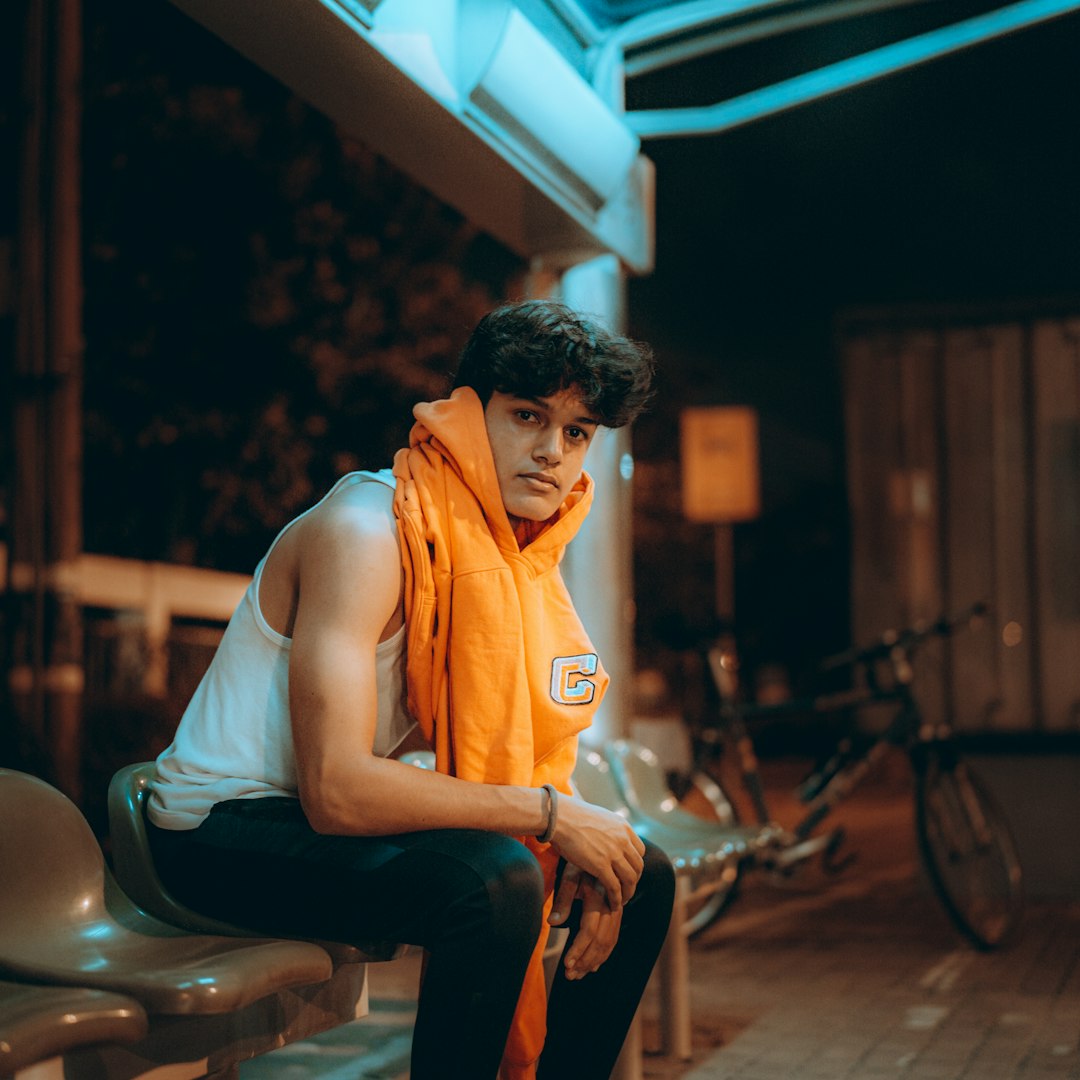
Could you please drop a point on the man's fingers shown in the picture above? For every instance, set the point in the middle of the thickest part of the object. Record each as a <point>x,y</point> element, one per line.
<point>628,875</point>
<point>578,959</point>
<point>619,882</point>
<point>568,887</point>
<point>598,933</point>
<point>612,885</point>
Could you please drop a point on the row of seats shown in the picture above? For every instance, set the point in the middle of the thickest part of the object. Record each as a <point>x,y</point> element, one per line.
<point>116,975</point>
<point>121,987</point>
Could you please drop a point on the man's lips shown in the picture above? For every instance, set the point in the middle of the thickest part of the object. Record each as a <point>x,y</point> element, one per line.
<point>540,478</point>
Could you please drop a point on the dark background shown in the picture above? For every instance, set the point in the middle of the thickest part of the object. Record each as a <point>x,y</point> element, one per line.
<point>265,299</point>
<point>951,184</point>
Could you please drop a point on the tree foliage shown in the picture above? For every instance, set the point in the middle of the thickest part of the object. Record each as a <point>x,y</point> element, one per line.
<point>265,298</point>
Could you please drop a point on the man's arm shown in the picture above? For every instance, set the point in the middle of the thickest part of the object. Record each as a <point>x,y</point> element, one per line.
<point>349,588</point>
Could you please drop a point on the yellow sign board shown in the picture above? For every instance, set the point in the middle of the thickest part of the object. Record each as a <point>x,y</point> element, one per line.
<point>720,476</point>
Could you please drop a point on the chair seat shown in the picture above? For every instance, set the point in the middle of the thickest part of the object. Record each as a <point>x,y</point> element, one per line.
<point>64,921</point>
<point>169,971</point>
<point>134,868</point>
<point>42,1022</point>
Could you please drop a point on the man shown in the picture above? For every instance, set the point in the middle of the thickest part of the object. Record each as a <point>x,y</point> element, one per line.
<point>280,804</point>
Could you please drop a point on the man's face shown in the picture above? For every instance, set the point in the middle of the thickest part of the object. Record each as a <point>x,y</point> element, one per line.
<point>539,446</point>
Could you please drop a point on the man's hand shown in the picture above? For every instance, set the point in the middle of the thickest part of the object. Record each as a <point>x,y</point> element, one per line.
<point>602,844</point>
<point>598,930</point>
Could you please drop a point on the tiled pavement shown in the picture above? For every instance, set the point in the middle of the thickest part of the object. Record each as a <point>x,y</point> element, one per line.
<point>856,976</point>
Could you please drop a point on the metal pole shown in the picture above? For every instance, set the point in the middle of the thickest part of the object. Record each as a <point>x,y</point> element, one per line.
<point>598,564</point>
<point>45,674</point>
<point>724,538</point>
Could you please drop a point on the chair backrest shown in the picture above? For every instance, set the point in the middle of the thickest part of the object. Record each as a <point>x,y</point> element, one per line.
<point>133,863</point>
<point>133,867</point>
<point>421,759</point>
<point>643,782</point>
<point>640,776</point>
<point>593,781</point>
<point>50,860</point>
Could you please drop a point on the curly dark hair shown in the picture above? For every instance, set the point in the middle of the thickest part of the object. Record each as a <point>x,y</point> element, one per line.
<point>534,348</point>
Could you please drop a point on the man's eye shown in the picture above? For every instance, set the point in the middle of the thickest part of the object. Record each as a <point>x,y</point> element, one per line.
<point>577,433</point>
<point>525,414</point>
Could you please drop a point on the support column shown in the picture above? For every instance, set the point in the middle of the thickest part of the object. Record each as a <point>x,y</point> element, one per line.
<point>44,621</point>
<point>598,567</point>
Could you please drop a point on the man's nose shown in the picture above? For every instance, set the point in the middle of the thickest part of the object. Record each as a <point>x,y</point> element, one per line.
<point>548,448</point>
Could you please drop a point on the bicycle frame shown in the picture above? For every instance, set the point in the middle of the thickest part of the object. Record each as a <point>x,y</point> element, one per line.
<point>839,776</point>
<point>965,842</point>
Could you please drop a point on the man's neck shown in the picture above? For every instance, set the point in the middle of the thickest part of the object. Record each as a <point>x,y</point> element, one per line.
<point>526,531</point>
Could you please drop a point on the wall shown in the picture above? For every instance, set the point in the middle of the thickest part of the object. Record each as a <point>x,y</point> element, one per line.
<point>963,441</point>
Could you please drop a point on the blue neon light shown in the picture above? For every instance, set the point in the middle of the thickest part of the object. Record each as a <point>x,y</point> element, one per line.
<point>713,119</point>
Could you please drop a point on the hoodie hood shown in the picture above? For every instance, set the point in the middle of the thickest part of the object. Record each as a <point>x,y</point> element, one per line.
<point>456,429</point>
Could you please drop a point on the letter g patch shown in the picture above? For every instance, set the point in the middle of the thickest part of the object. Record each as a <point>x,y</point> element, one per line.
<point>569,685</point>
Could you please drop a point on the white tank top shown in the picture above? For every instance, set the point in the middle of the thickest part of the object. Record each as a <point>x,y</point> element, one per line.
<point>234,740</point>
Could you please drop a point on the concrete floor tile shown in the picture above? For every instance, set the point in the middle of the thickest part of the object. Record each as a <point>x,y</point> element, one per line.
<point>923,1070</point>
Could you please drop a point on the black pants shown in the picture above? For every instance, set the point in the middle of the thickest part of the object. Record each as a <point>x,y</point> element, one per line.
<point>472,899</point>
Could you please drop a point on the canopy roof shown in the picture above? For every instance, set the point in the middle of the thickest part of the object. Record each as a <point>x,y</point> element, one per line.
<point>865,40</point>
<point>515,111</point>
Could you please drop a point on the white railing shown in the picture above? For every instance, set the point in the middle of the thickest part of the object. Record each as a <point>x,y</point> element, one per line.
<point>160,591</point>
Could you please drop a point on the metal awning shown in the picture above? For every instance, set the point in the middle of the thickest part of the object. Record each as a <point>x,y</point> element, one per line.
<point>512,110</point>
<point>644,37</point>
<point>476,100</point>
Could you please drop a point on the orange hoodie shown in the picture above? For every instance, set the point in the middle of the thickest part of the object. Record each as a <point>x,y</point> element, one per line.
<point>501,674</point>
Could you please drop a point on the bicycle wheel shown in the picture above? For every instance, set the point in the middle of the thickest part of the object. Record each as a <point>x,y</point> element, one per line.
<point>705,796</point>
<point>967,847</point>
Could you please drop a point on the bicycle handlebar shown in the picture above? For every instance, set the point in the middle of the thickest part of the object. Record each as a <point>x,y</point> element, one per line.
<point>904,641</point>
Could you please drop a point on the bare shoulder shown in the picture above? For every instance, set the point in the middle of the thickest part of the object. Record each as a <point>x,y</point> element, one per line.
<point>356,519</point>
<point>349,561</point>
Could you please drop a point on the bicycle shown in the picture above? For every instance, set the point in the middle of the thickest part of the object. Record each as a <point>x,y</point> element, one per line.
<point>964,840</point>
